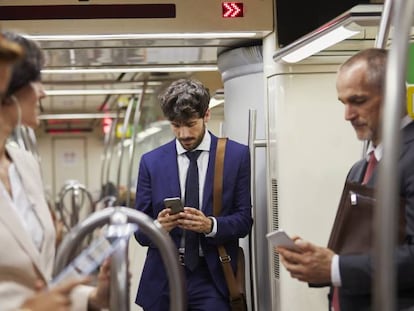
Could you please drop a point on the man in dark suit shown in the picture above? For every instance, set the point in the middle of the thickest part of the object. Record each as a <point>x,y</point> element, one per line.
<point>360,85</point>
<point>162,174</point>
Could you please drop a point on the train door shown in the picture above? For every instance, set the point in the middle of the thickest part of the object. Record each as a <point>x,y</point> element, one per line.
<point>69,160</point>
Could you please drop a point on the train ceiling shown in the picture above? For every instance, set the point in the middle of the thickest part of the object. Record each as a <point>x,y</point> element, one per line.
<point>103,46</point>
<point>128,51</point>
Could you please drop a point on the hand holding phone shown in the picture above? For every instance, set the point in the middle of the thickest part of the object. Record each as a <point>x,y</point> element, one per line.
<point>174,204</point>
<point>280,238</point>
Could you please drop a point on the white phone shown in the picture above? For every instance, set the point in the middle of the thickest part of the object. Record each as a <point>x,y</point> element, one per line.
<point>175,204</point>
<point>280,238</point>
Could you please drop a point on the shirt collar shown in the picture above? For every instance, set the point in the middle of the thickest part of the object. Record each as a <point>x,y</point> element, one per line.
<point>378,151</point>
<point>203,146</point>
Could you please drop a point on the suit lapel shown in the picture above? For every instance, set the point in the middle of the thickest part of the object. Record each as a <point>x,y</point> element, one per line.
<point>208,185</point>
<point>407,138</point>
<point>15,225</point>
<point>170,168</point>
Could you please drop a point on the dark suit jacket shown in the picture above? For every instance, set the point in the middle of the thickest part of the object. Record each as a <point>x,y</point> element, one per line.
<point>356,270</point>
<point>158,179</point>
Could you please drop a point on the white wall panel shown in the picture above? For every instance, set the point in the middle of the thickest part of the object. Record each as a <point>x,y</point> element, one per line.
<point>243,93</point>
<point>312,149</point>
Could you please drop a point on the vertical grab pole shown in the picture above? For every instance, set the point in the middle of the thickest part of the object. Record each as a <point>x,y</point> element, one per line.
<point>111,147</point>
<point>125,127</point>
<point>119,286</point>
<point>384,27</point>
<point>381,42</point>
<point>384,281</point>
<point>253,144</point>
<point>132,147</point>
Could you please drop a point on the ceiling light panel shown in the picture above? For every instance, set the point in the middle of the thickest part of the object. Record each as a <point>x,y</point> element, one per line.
<point>144,36</point>
<point>166,69</point>
<point>337,30</point>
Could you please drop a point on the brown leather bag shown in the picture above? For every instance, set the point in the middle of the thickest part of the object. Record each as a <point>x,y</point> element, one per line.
<point>353,229</point>
<point>235,284</point>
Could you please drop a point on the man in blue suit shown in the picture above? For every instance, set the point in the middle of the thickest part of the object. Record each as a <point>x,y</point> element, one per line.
<point>162,174</point>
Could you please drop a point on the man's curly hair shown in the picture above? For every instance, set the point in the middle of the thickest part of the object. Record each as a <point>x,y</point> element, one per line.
<point>185,99</point>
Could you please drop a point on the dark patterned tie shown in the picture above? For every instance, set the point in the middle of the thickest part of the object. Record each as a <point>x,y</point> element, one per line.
<point>192,200</point>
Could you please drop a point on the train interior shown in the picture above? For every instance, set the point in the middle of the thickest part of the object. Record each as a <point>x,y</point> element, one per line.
<point>105,69</point>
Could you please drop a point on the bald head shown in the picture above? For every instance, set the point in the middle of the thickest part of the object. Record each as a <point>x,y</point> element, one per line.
<point>374,62</point>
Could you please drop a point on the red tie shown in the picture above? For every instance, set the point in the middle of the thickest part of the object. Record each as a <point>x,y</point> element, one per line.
<point>335,299</point>
<point>372,162</point>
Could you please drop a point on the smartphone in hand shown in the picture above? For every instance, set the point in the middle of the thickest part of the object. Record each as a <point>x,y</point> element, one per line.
<point>174,204</point>
<point>280,238</point>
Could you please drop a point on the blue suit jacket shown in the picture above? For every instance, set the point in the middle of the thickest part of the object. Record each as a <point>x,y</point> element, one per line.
<point>158,179</point>
<point>356,273</point>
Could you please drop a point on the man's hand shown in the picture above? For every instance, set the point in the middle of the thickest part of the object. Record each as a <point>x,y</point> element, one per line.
<point>193,219</point>
<point>167,220</point>
<point>312,265</point>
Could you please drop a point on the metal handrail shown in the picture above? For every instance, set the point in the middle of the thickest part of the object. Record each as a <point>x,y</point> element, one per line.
<point>119,293</point>
<point>111,146</point>
<point>384,282</point>
<point>148,226</point>
<point>124,131</point>
<point>384,27</point>
<point>77,189</point>
<point>381,42</point>
<point>254,143</point>
<point>132,147</point>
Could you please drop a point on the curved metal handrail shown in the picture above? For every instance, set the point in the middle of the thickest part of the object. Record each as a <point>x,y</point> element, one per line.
<point>77,190</point>
<point>149,227</point>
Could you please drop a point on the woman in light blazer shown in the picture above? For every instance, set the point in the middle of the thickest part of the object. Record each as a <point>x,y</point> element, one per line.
<point>27,232</point>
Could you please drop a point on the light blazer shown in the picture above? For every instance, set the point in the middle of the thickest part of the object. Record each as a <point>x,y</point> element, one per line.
<point>356,274</point>
<point>21,264</point>
<point>158,179</point>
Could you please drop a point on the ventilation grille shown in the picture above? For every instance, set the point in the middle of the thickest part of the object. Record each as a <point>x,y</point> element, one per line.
<point>240,62</point>
<point>275,225</point>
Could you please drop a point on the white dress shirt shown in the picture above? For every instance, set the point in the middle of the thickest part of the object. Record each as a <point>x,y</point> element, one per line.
<point>202,163</point>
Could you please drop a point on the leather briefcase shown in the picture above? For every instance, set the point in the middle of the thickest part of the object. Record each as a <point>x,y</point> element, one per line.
<point>353,230</point>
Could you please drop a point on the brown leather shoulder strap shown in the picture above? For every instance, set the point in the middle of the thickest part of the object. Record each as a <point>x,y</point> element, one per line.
<point>218,176</point>
<point>217,202</point>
